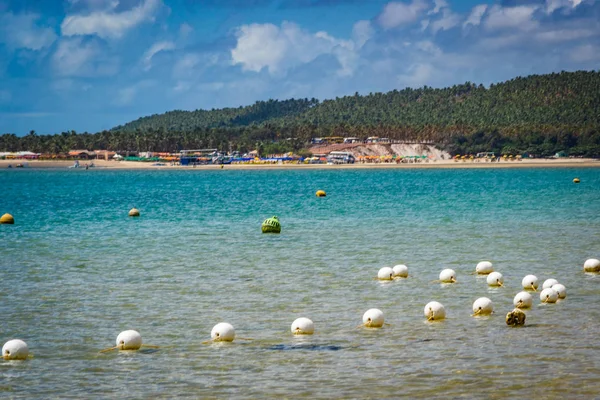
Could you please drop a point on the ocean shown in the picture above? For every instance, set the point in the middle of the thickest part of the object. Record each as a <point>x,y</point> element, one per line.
<point>75,271</point>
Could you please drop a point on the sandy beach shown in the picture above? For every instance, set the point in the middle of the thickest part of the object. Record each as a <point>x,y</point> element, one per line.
<point>129,165</point>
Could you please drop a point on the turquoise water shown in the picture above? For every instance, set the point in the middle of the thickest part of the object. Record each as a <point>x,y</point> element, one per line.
<point>75,271</point>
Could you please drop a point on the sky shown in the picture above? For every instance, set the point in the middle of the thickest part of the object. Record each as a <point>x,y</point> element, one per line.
<point>90,65</point>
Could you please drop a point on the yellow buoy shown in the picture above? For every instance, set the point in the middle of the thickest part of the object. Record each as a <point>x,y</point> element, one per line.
<point>515,318</point>
<point>321,193</point>
<point>576,180</point>
<point>134,212</point>
<point>7,219</point>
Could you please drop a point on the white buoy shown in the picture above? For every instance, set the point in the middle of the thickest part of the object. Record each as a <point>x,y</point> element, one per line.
<point>129,340</point>
<point>448,276</point>
<point>400,270</point>
<point>523,300</point>
<point>482,306</point>
<point>561,290</point>
<point>15,349</point>
<point>484,268</point>
<point>385,274</point>
<point>549,295</point>
<point>434,311</point>
<point>222,332</point>
<point>548,283</point>
<point>495,279</point>
<point>373,318</point>
<point>591,265</point>
<point>530,282</point>
<point>303,326</point>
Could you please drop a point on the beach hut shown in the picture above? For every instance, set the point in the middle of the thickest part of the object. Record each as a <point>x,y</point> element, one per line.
<point>82,154</point>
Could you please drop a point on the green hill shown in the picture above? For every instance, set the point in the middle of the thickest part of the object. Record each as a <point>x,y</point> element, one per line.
<point>538,114</point>
<point>563,98</point>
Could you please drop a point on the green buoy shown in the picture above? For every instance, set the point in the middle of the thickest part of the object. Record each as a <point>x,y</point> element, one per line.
<point>271,225</point>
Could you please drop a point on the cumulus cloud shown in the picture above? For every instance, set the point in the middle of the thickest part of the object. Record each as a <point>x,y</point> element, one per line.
<point>21,31</point>
<point>449,20</point>
<point>396,14</point>
<point>438,5</point>
<point>155,48</point>
<point>520,17</point>
<point>81,57</point>
<point>416,75</point>
<point>108,23</point>
<point>476,15</point>
<point>279,48</point>
<point>362,31</point>
<point>191,65</point>
<point>553,5</point>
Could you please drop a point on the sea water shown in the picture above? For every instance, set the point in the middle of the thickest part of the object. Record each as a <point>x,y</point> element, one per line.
<point>75,270</point>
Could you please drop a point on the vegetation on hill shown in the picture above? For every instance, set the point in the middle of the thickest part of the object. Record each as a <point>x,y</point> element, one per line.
<point>538,114</point>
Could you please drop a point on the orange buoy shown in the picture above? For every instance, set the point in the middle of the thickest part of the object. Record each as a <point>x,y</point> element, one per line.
<point>321,193</point>
<point>134,212</point>
<point>7,219</point>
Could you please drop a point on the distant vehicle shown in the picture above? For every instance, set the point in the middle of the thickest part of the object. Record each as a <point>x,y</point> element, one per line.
<point>333,139</point>
<point>328,140</point>
<point>340,157</point>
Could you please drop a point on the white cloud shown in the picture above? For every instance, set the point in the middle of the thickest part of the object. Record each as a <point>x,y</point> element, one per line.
<point>449,20</point>
<point>108,23</point>
<point>362,31</point>
<point>438,5</point>
<point>185,30</point>
<point>191,65</point>
<point>397,13</point>
<point>475,16</point>
<point>277,49</point>
<point>565,35</point>
<point>552,5</point>
<point>428,46</point>
<point>79,57</point>
<point>520,17</point>
<point>20,31</point>
<point>260,46</point>
<point>155,48</point>
<point>74,57</point>
<point>416,75</point>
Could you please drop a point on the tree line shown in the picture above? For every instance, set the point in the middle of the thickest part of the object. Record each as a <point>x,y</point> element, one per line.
<point>537,114</point>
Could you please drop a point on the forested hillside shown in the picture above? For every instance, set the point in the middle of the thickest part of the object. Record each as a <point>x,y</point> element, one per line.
<point>538,114</point>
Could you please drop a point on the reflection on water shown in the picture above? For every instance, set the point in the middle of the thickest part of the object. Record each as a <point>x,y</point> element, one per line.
<point>76,271</point>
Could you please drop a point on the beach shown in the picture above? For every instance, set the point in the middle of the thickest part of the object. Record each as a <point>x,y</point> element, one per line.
<point>128,165</point>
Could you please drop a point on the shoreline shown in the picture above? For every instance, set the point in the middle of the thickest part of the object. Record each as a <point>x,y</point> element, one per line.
<point>449,164</point>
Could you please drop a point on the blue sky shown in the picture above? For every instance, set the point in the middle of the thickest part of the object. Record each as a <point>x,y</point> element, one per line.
<point>88,65</point>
